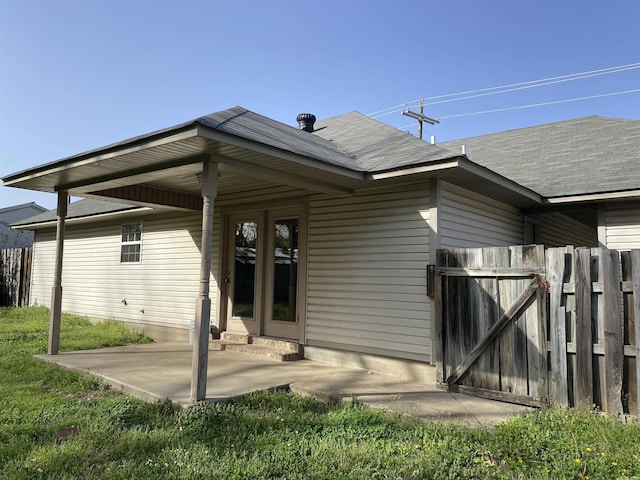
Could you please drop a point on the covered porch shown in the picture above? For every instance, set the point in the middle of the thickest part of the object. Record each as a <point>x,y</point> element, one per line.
<point>197,166</point>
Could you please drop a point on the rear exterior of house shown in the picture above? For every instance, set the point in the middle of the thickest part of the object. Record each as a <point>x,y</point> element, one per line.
<point>335,262</point>
<point>365,259</point>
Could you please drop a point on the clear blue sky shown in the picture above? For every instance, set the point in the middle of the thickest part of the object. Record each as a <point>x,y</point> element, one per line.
<point>77,75</point>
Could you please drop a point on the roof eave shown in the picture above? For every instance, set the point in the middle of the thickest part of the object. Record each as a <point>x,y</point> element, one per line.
<point>593,197</point>
<point>128,146</point>
<point>80,219</point>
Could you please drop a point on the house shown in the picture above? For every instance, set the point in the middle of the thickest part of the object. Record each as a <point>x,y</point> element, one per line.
<point>22,238</point>
<point>320,234</point>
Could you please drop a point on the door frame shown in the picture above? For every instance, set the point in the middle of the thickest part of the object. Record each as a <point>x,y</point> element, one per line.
<point>262,209</point>
<point>273,215</point>
<point>228,257</point>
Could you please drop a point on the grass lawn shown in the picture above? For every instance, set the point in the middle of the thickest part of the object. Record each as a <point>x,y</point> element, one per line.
<point>265,435</point>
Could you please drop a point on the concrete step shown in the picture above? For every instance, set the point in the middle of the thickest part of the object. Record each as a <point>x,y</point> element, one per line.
<point>234,337</point>
<point>221,344</point>
<point>264,351</point>
<point>265,347</point>
<point>275,343</point>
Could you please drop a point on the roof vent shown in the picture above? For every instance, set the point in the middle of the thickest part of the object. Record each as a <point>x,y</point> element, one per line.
<point>306,121</point>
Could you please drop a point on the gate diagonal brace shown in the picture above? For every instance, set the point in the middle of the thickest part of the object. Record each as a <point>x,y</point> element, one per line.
<point>497,327</point>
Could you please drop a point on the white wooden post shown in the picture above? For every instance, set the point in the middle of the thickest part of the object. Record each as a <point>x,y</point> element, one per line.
<point>56,290</point>
<point>203,306</point>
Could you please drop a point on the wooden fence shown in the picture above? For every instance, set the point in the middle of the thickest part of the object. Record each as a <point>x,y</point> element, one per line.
<point>15,276</point>
<point>540,327</point>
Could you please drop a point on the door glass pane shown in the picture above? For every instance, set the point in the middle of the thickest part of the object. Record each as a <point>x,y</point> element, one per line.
<point>246,236</point>
<point>285,271</point>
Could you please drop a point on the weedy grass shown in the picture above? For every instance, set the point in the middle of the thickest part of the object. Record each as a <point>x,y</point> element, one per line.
<point>275,435</point>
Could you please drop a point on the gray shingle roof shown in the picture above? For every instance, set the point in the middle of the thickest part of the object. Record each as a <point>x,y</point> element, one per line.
<point>377,146</point>
<point>82,208</point>
<point>237,121</point>
<point>244,123</point>
<point>586,155</point>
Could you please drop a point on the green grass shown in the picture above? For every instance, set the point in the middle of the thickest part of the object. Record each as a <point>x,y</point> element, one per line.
<point>274,435</point>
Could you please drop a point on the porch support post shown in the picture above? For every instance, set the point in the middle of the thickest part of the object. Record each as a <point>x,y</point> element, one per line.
<point>56,290</point>
<point>203,306</point>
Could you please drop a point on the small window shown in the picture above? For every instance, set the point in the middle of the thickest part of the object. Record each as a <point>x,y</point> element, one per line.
<point>532,231</point>
<point>131,243</point>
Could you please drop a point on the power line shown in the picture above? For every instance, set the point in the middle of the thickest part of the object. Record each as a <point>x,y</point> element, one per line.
<point>525,87</point>
<point>541,104</point>
<point>530,84</point>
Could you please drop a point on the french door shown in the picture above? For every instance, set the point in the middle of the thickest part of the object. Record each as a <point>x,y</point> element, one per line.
<point>264,272</point>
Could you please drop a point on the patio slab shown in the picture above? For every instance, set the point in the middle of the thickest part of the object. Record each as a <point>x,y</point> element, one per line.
<point>159,371</point>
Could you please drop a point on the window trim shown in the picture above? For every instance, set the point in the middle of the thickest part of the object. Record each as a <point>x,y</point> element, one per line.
<point>124,243</point>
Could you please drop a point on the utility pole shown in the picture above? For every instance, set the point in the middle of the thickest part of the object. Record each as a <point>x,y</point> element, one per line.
<point>420,117</point>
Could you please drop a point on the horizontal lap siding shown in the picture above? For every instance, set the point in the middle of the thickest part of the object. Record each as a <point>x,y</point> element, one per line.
<point>558,230</point>
<point>471,220</point>
<point>623,225</point>
<point>164,284</point>
<point>366,282</point>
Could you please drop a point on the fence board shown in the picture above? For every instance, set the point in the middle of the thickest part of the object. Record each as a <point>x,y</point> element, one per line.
<point>505,343</point>
<point>583,338</point>
<point>533,257</point>
<point>489,361</point>
<point>555,275</point>
<point>613,332</point>
<point>635,269</point>
<point>15,276</point>
<point>597,329</point>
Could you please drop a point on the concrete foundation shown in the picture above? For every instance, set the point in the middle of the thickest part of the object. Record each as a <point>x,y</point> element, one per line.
<point>407,369</point>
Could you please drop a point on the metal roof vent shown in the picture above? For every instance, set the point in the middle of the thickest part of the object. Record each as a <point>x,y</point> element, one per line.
<point>306,121</point>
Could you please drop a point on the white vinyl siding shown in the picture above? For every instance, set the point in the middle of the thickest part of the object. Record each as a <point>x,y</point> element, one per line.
<point>468,219</point>
<point>366,273</point>
<point>558,230</point>
<point>622,225</point>
<point>160,290</point>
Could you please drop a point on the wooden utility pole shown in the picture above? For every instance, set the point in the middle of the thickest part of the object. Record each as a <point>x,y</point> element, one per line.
<point>420,117</point>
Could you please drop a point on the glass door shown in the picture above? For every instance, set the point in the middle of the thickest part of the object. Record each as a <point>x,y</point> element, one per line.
<point>281,282</point>
<point>244,273</point>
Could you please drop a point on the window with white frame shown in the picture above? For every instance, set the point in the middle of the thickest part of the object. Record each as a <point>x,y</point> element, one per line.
<point>131,243</point>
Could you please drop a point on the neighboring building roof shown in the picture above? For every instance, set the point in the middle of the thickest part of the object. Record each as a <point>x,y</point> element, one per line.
<point>31,205</point>
<point>8,215</point>
<point>82,208</point>
<point>574,157</point>
<point>377,146</point>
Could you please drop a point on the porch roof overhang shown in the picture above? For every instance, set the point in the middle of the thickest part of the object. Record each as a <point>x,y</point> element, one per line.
<point>164,168</point>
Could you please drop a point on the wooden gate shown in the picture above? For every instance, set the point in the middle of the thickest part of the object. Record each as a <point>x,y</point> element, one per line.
<point>490,329</point>
<point>539,327</point>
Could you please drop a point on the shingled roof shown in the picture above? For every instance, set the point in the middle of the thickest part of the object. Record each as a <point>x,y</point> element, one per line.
<point>377,146</point>
<point>82,208</point>
<point>574,157</point>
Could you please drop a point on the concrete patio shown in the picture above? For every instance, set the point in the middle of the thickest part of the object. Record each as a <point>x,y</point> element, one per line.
<point>163,370</point>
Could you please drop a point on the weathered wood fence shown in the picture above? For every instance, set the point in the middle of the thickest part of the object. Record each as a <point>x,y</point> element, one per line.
<point>539,327</point>
<point>15,276</point>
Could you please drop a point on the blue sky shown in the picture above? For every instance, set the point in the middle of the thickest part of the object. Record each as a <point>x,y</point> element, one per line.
<point>77,75</point>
